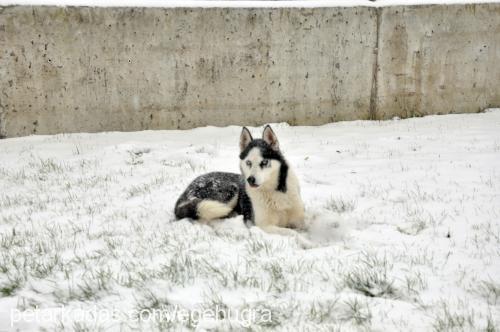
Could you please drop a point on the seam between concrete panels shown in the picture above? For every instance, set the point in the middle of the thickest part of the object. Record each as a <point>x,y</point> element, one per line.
<point>3,127</point>
<point>375,69</point>
<point>3,133</point>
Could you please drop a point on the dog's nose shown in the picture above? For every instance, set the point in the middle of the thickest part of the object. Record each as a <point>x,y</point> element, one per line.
<point>251,180</point>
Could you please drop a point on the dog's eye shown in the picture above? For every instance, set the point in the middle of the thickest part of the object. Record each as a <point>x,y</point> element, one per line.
<point>249,163</point>
<point>264,163</point>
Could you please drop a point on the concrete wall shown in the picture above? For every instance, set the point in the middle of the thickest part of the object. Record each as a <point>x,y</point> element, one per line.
<point>438,60</point>
<point>94,69</point>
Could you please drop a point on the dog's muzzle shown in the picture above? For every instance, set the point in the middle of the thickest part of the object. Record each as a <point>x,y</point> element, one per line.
<point>251,181</point>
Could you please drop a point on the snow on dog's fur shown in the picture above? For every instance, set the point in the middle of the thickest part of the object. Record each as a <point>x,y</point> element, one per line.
<point>267,192</point>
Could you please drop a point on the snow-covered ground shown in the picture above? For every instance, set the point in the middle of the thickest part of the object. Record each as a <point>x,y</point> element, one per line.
<point>405,215</point>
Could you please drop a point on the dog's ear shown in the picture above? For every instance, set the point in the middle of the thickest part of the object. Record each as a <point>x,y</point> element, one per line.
<point>270,138</point>
<point>245,138</point>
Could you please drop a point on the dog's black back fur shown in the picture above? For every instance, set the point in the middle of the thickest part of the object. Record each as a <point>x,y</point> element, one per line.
<point>218,186</point>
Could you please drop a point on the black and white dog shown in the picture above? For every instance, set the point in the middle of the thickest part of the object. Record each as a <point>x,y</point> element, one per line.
<point>266,193</point>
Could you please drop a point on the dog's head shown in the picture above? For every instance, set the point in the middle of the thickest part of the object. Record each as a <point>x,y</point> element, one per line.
<point>261,162</point>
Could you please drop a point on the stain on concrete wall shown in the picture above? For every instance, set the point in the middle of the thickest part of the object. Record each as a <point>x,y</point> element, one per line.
<point>67,69</point>
<point>438,60</point>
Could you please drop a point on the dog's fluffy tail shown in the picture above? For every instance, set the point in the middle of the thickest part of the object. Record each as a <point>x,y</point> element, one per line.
<point>202,209</point>
<point>186,209</point>
<point>210,210</point>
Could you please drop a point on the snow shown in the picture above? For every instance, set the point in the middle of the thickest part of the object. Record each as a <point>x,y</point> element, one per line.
<point>404,214</point>
<point>236,3</point>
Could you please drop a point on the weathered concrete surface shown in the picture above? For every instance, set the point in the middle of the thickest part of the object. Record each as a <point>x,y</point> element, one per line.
<point>94,69</point>
<point>99,69</point>
<point>438,60</point>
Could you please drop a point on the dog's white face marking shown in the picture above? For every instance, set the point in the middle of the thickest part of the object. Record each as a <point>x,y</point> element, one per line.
<point>265,172</point>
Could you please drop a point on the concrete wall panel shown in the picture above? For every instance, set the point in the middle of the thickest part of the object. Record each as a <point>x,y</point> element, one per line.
<point>74,69</point>
<point>94,69</point>
<point>438,60</point>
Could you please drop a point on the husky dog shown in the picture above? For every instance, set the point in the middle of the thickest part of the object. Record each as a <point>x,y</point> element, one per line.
<point>266,193</point>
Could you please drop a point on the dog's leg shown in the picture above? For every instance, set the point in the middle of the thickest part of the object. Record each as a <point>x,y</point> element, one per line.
<point>296,218</point>
<point>303,242</point>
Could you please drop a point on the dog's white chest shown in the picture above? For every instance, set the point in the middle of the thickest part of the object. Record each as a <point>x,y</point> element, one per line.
<point>277,209</point>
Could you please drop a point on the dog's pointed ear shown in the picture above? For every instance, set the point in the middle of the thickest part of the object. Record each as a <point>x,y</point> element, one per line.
<point>245,138</point>
<point>270,138</point>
